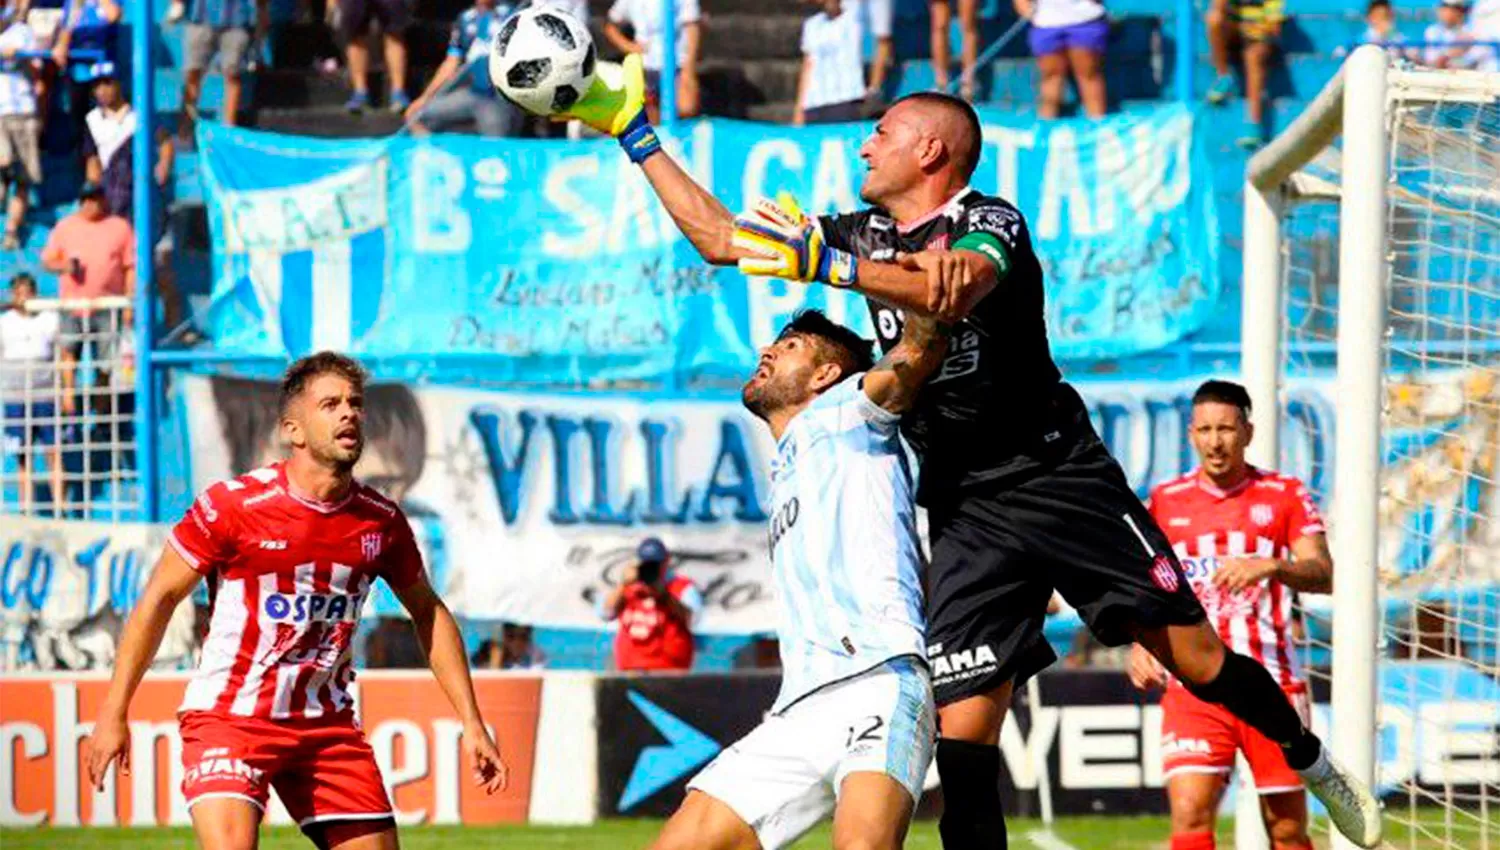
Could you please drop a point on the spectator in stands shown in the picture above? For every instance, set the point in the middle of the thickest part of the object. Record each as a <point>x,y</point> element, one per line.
<point>879,14</point>
<point>831,86</point>
<point>225,29</point>
<point>656,610</point>
<point>513,651</point>
<point>86,35</point>
<point>1450,39</point>
<point>470,95</point>
<point>1068,34</point>
<point>20,127</point>
<point>647,31</point>
<point>942,53</point>
<point>357,18</point>
<point>1380,28</point>
<point>93,253</point>
<point>1251,28</point>
<point>108,161</point>
<point>32,385</point>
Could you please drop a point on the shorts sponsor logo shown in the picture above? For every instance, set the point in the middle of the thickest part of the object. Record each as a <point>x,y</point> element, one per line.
<point>1172,745</point>
<point>222,768</point>
<point>937,243</point>
<point>325,607</point>
<point>1262,514</point>
<point>961,664</point>
<point>1164,574</point>
<point>206,505</point>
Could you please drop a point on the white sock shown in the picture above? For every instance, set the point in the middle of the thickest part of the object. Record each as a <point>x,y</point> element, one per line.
<point>1318,769</point>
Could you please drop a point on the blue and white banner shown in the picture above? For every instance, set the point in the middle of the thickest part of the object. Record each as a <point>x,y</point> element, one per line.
<point>557,256</point>
<point>528,504</point>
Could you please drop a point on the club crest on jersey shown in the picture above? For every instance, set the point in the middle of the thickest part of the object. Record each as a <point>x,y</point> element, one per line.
<point>370,546</point>
<point>1164,574</point>
<point>1262,514</point>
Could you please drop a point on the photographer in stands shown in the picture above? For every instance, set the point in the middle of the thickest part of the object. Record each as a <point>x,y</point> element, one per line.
<point>656,610</point>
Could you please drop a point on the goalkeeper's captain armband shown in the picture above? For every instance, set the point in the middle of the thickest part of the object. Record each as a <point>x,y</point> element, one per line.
<point>639,139</point>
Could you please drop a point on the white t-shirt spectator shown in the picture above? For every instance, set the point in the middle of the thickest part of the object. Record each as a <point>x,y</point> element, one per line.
<point>644,16</point>
<point>17,95</point>
<point>836,48</point>
<point>1438,37</point>
<point>879,14</point>
<point>28,355</point>
<point>1051,14</point>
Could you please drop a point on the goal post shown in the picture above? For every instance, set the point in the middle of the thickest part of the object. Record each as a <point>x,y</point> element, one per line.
<point>1385,145</point>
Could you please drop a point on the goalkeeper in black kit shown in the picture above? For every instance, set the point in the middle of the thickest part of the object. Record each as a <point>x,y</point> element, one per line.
<point>1021,494</point>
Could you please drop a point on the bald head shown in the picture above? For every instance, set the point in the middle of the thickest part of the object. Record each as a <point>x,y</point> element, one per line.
<point>952,120</point>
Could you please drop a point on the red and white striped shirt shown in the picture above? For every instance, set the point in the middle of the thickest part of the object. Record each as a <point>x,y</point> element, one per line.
<point>1260,518</point>
<point>290,576</point>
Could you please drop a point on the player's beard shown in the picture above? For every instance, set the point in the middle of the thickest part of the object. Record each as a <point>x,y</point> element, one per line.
<point>777,391</point>
<point>337,457</point>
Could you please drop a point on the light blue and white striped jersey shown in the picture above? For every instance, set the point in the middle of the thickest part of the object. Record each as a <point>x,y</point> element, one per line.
<point>845,557</point>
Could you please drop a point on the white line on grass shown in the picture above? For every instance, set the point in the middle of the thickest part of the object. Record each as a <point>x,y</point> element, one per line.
<point>1046,839</point>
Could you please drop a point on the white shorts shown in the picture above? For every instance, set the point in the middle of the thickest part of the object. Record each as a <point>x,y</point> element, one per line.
<point>785,775</point>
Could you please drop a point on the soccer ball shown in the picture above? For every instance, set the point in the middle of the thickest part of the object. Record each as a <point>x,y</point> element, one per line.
<point>542,60</point>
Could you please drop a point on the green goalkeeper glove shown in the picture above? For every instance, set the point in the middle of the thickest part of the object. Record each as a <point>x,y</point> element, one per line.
<point>615,104</point>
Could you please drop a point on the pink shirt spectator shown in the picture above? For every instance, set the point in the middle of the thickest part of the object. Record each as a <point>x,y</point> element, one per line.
<point>104,249</point>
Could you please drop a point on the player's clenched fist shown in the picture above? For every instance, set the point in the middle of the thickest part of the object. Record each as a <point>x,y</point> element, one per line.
<point>1145,671</point>
<point>109,741</point>
<point>490,772</point>
<point>788,244</point>
<point>950,281</point>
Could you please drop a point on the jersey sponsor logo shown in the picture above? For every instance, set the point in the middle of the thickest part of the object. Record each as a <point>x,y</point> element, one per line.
<point>1199,568</point>
<point>312,607</point>
<point>783,520</point>
<point>960,664</point>
<point>1262,514</point>
<point>273,545</point>
<point>1179,521</point>
<point>370,546</point>
<point>1164,574</point>
<point>962,359</point>
<point>1001,221</point>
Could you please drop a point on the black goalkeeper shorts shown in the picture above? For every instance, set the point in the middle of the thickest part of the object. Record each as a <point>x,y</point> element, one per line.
<point>998,551</point>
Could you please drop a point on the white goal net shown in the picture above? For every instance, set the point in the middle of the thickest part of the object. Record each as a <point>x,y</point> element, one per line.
<point>1372,317</point>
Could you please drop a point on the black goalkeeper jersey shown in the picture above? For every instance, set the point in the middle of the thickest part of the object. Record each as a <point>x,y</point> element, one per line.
<point>998,405</point>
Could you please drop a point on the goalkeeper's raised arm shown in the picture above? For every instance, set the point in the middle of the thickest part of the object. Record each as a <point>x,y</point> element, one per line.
<point>776,239</point>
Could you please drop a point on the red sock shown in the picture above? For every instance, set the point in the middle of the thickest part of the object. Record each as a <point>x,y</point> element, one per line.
<point>1193,840</point>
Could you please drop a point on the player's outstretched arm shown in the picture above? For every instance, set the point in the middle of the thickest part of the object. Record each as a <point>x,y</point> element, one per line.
<point>616,104</point>
<point>894,382</point>
<point>438,633</point>
<point>171,582</point>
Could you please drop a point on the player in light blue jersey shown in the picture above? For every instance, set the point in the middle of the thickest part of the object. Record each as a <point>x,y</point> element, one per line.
<point>852,730</point>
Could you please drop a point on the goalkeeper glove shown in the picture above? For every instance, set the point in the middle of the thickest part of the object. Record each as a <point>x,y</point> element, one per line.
<point>615,104</point>
<point>789,245</point>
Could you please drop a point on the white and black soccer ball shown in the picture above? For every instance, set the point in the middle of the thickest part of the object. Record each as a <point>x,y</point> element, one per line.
<point>542,60</point>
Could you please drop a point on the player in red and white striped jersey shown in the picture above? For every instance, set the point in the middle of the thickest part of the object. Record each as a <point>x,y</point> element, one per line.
<point>291,552</point>
<point>1249,540</point>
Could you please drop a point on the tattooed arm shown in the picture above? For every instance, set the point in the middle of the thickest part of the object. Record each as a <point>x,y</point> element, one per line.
<point>893,383</point>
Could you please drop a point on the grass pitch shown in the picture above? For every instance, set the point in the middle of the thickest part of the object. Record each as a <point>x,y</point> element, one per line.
<point>1073,833</point>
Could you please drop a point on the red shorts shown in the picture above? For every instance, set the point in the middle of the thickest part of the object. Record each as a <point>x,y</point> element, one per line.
<point>322,770</point>
<point>1200,737</point>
